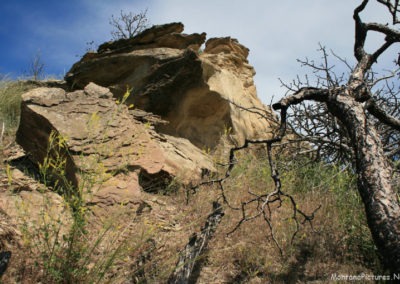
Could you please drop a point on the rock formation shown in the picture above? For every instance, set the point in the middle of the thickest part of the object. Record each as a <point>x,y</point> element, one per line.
<point>198,93</point>
<point>99,138</point>
<point>133,119</point>
<point>21,202</point>
<point>184,102</point>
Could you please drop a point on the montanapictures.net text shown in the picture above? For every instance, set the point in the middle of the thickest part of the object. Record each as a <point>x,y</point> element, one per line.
<point>364,277</point>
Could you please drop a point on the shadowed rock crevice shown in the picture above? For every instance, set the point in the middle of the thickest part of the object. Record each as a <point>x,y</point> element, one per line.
<point>163,90</point>
<point>160,182</point>
<point>202,117</point>
<point>5,257</point>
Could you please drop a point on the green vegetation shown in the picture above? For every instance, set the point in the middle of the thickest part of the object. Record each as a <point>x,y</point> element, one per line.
<point>61,248</point>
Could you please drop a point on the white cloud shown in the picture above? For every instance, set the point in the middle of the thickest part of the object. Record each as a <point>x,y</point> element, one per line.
<point>277,32</point>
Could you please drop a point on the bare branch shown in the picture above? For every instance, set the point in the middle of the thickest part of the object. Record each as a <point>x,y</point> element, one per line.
<point>393,9</point>
<point>262,113</point>
<point>264,201</point>
<point>127,25</point>
<point>307,93</point>
<point>343,60</point>
<point>390,33</point>
<point>2,133</point>
<point>382,115</point>
<point>361,32</point>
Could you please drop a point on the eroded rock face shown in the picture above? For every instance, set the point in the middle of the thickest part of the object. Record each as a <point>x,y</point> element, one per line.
<point>197,93</point>
<point>99,138</point>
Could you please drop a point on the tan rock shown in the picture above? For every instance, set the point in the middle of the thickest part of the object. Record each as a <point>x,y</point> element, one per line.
<point>99,138</point>
<point>27,204</point>
<point>203,97</point>
<point>227,45</point>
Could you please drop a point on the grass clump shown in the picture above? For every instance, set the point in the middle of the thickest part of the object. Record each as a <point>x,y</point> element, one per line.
<point>10,102</point>
<point>340,183</point>
<point>62,253</point>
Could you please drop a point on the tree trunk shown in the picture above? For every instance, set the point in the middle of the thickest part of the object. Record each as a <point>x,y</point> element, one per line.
<point>374,179</point>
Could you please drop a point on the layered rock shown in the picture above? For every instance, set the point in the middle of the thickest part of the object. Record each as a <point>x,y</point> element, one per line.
<point>97,138</point>
<point>168,35</point>
<point>203,95</point>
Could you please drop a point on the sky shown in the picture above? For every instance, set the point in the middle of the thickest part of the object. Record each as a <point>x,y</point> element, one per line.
<point>276,32</point>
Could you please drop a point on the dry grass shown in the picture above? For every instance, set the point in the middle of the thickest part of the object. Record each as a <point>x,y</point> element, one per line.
<point>148,244</point>
<point>10,101</point>
<point>144,247</point>
<point>339,241</point>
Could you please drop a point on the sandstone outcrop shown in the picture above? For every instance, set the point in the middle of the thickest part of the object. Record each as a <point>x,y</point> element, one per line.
<point>99,138</point>
<point>201,94</point>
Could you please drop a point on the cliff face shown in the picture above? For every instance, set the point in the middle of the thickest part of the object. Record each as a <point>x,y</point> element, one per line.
<point>196,92</point>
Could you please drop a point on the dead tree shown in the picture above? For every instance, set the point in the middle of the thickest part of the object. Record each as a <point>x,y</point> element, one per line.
<point>348,103</point>
<point>355,107</point>
<point>314,123</point>
<point>127,25</point>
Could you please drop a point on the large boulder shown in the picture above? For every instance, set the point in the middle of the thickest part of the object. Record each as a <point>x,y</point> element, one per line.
<point>203,95</point>
<point>93,138</point>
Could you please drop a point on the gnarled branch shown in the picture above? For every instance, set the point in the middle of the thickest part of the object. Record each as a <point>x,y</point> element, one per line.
<point>382,115</point>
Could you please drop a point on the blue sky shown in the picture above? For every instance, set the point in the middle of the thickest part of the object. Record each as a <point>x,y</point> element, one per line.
<point>276,32</point>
